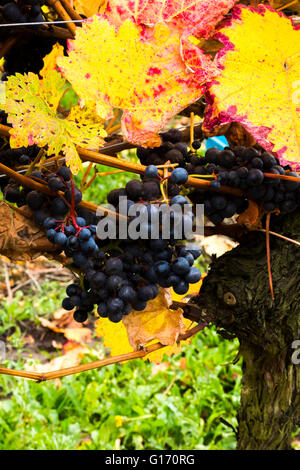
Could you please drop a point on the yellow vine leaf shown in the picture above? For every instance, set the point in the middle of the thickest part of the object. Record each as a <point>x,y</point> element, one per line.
<point>140,71</point>
<point>31,104</point>
<point>50,59</point>
<point>259,86</point>
<point>116,338</point>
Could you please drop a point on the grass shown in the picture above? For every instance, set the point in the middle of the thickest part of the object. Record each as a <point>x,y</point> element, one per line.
<point>122,406</point>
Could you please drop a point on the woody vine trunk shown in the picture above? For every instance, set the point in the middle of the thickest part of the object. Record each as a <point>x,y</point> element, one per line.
<point>236,294</point>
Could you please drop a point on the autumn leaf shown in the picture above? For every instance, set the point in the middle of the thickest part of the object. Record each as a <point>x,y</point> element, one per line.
<point>190,17</point>
<point>116,338</point>
<point>32,107</point>
<point>157,322</point>
<point>50,59</point>
<point>71,358</point>
<point>140,71</point>
<point>20,237</point>
<point>71,330</point>
<point>260,81</point>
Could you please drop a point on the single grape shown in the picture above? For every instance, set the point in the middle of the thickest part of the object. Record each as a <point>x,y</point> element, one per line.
<point>35,200</point>
<point>179,176</point>
<point>181,266</point>
<point>115,305</point>
<point>151,171</point>
<point>80,316</point>
<point>145,293</point>
<point>193,276</point>
<point>196,144</point>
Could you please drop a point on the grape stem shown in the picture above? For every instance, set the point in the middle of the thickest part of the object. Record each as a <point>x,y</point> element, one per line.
<point>280,236</point>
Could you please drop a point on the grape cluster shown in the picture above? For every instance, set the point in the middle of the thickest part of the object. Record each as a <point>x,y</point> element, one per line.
<point>118,281</point>
<point>15,157</point>
<point>243,168</point>
<point>18,156</point>
<point>27,55</point>
<point>115,275</point>
<point>172,149</point>
<point>25,11</point>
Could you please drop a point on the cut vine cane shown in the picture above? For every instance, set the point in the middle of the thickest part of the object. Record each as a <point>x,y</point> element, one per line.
<point>42,377</point>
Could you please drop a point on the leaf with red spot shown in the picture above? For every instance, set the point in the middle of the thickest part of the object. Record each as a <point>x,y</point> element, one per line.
<point>260,80</point>
<point>192,17</point>
<point>139,70</point>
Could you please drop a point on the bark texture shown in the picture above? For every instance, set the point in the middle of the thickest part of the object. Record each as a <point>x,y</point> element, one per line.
<point>236,294</point>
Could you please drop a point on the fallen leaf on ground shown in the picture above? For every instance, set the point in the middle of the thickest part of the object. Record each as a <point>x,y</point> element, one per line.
<point>70,359</point>
<point>73,332</point>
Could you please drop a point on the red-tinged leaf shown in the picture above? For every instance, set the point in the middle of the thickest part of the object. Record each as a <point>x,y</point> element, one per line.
<point>139,70</point>
<point>259,84</point>
<point>192,17</point>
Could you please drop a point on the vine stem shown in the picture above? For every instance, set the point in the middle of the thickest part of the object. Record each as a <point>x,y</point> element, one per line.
<point>70,10</point>
<point>269,253</point>
<point>41,377</point>
<point>63,14</point>
<point>121,164</point>
<point>291,240</point>
<point>282,177</point>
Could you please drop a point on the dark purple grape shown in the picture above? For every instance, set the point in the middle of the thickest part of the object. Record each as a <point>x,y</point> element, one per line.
<point>35,200</point>
<point>80,316</point>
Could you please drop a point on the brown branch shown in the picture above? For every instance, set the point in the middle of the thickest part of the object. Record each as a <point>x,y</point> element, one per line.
<point>43,188</point>
<point>57,6</point>
<point>73,14</point>
<point>51,31</point>
<point>121,164</point>
<point>41,377</point>
<point>5,130</point>
<point>282,177</point>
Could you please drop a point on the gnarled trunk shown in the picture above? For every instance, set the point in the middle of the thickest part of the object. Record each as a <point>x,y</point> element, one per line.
<point>236,293</point>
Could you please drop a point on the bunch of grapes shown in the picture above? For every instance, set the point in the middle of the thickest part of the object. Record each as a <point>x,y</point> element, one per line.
<point>27,55</point>
<point>249,170</point>
<point>13,158</point>
<point>173,149</point>
<point>116,275</point>
<point>24,11</point>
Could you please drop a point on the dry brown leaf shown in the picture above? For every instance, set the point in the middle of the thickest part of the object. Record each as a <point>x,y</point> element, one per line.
<point>20,238</point>
<point>156,322</point>
<point>161,367</point>
<point>251,217</point>
<point>217,245</point>
<point>88,7</point>
<point>70,359</point>
<point>73,332</point>
<point>237,135</point>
